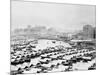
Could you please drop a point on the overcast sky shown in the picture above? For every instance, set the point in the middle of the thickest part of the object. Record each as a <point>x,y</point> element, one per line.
<point>63,17</point>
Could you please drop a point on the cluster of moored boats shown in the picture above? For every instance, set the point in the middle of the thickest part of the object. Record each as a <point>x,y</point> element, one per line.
<point>30,57</point>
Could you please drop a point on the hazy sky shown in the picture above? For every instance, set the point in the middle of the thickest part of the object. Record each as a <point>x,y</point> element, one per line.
<point>63,17</point>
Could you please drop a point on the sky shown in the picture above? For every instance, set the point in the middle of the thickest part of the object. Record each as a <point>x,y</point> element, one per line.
<point>62,17</point>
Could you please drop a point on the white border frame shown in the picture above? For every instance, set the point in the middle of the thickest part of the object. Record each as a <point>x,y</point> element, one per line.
<point>5,35</point>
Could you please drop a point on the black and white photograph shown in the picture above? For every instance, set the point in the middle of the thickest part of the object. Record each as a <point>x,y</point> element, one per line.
<point>47,37</point>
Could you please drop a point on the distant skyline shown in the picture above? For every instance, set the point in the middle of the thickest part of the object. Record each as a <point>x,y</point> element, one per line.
<point>62,17</point>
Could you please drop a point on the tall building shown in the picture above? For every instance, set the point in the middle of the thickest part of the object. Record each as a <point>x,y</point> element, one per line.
<point>88,31</point>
